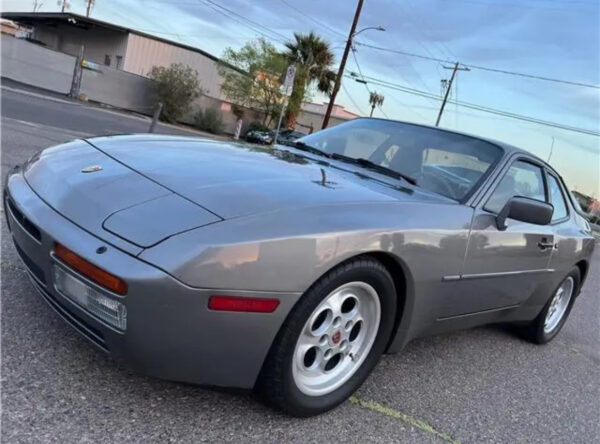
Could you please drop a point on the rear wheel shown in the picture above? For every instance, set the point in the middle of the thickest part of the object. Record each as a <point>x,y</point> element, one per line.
<point>556,311</point>
<point>331,340</point>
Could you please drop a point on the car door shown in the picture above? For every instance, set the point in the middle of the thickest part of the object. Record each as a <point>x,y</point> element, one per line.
<point>502,268</point>
<point>567,240</point>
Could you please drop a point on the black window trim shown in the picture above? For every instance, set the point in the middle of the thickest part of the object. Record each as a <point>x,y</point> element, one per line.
<point>504,170</point>
<point>549,172</point>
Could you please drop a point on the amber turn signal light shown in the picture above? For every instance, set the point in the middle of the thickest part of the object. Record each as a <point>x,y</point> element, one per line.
<point>89,270</point>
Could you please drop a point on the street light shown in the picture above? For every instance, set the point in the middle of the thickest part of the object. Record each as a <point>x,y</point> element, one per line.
<point>376,28</point>
<point>338,79</point>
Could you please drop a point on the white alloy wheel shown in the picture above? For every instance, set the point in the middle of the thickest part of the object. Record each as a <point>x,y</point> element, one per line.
<point>336,339</point>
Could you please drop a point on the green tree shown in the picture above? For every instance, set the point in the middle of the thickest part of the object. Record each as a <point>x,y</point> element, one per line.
<point>251,76</point>
<point>177,86</point>
<point>313,59</point>
<point>375,99</point>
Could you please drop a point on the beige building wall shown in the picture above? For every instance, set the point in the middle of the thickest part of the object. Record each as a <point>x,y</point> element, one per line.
<point>143,53</point>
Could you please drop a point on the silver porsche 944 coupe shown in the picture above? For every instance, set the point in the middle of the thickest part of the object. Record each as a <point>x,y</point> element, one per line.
<point>290,270</point>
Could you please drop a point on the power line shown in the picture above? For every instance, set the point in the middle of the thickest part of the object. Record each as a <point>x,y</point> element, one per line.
<point>485,109</point>
<point>352,100</point>
<point>360,70</point>
<point>482,68</point>
<point>255,26</point>
<point>312,19</point>
<point>367,87</point>
<point>432,58</point>
<point>530,5</point>
<point>396,51</point>
<point>382,112</point>
<point>446,51</point>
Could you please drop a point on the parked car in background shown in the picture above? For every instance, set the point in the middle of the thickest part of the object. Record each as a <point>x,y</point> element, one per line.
<point>290,270</point>
<point>286,137</point>
<point>261,137</point>
<point>289,137</point>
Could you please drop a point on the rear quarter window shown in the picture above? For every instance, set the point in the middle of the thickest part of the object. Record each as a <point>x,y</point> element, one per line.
<point>557,199</point>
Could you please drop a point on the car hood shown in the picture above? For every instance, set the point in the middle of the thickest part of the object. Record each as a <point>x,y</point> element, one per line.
<point>144,189</point>
<point>110,200</point>
<point>235,179</point>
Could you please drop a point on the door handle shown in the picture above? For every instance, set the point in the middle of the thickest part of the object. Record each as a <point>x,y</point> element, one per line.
<point>545,244</point>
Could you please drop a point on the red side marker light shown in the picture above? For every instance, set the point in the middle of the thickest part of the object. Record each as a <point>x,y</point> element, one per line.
<point>247,305</point>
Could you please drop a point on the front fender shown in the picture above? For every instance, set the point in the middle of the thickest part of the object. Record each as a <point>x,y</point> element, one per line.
<point>289,250</point>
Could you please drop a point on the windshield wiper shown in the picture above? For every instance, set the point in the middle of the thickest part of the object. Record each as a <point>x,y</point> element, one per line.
<point>369,164</point>
<point>311,149</point>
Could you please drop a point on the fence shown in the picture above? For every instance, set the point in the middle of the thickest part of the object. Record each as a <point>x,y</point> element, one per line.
<point>119,89</point>
<point>37,66</point>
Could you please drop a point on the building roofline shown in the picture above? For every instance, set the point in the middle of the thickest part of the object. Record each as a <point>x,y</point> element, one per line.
<point>39,17</point>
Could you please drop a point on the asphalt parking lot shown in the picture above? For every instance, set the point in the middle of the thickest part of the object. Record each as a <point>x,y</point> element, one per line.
<point>481,385</point>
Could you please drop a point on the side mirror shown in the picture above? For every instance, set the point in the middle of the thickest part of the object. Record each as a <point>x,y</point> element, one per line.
<point>525,209</point>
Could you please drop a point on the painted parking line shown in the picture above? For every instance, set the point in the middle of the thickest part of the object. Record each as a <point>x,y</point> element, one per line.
<point>395,414</point>
<point>40,126</point>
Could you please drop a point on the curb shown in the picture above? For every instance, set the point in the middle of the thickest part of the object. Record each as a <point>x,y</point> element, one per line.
<point>40,96</point>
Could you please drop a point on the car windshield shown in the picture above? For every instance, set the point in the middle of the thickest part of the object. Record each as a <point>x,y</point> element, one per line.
<point>440,161</point>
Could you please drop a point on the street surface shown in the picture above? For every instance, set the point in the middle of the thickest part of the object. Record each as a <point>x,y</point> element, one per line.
<point>481,385</point>
<point>75,116</point>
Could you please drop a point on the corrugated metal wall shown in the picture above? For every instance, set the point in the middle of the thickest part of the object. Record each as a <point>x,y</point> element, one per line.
<point>143,53</point>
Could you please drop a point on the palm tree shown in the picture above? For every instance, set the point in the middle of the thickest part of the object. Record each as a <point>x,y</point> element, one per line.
<point>375,99</point>
<point>313,59</point>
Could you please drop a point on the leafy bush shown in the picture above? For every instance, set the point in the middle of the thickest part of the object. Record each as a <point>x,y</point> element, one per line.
<point>210,120</point>
<point>178,86</point>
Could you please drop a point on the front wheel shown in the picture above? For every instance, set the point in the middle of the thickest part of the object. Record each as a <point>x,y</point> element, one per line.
<point>331,340</point>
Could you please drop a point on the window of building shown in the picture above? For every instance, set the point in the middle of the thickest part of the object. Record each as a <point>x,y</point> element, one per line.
<point>107,60</point>
<point>119,62</point>
<point>557,199</point>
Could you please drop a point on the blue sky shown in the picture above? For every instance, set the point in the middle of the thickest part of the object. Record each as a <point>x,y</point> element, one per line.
<point>553,38</point>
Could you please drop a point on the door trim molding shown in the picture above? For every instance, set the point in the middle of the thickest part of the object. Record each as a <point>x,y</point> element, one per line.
<point>475,313</point>
<point>495,275</point>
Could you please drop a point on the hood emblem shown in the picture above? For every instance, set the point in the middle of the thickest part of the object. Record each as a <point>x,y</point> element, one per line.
<point>91,169</point>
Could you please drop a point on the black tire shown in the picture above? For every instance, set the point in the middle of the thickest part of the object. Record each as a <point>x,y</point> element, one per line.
<point>534,331</point>
<point>276,385</point>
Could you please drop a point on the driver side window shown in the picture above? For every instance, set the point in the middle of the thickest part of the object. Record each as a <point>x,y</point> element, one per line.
<point>522,179</point>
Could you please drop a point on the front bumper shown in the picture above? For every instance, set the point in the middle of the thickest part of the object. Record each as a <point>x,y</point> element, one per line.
<point>170,332</point>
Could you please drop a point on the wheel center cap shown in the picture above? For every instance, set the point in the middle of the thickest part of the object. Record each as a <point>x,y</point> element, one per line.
<point>336,337</point>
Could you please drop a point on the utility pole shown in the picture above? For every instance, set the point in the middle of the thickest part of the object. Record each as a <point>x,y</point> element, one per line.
<point>65,5</point>
<point>88,9</point>
<point>448,88</point>
<point>338,79</point>
<point>37,4</point>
